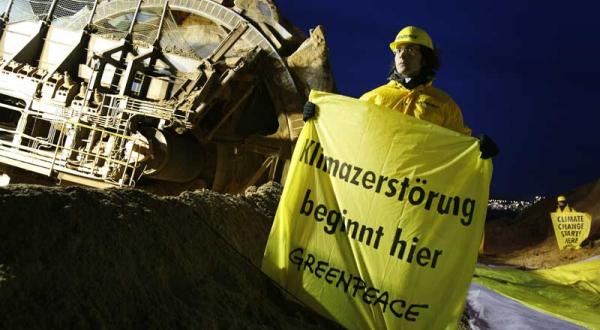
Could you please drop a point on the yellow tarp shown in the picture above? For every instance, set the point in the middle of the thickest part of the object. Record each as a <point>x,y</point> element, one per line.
<point>570,292</point>
<point>571,228</point>
<point>380,219</point>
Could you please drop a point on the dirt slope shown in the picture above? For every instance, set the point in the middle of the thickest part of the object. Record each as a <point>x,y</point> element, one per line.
<point>77,257</point>
<point>529,240</point>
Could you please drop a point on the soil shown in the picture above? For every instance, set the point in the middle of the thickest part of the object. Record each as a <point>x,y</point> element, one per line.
<point>124,258</point>
<point>528,241</point>
<point>85,258</point>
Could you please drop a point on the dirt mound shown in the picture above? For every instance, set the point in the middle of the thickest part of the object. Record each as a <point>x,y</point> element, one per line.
<point>78,257</point>
<point>529,239</point>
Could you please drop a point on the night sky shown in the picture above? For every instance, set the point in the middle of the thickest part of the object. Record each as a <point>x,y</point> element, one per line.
<point>524,73</point>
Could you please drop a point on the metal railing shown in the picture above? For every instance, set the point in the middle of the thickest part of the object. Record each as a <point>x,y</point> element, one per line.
<point>99,155</point>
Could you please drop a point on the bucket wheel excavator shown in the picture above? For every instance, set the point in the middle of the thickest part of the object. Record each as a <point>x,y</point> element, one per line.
<point>163,95</point>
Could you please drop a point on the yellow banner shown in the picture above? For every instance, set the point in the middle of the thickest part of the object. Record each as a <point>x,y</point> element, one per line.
<point>380,219</point>
<point>571,228</point>
<point>569,292</point>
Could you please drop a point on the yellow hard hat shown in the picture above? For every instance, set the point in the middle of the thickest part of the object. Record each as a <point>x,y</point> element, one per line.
<point>561,199</point>
<point>412,35</point>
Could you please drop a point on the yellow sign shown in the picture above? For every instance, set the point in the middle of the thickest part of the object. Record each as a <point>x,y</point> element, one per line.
<point>380,219</point>
<point>571,228</point>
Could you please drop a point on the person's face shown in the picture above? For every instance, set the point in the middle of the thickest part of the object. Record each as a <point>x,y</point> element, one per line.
<point>407,59</point>
<point>561,203</point>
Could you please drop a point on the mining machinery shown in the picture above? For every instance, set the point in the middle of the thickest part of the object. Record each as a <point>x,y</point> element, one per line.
<point>162,95</point>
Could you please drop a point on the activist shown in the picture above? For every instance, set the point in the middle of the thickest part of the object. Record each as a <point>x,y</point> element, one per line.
<point>563,206</point>
<point>410,89</point>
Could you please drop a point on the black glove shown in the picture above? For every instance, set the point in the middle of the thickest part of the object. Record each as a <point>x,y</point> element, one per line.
<point>310,110</point>
<point>487,146</point>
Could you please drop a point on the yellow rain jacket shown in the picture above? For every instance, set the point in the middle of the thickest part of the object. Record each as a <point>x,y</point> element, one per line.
<point>424,102</point>
<point>566,209</point>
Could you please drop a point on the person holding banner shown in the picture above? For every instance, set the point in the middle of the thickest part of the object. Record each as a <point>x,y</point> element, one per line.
<point>410,89</point>
<point>563,206</point>
<point>571,228</point>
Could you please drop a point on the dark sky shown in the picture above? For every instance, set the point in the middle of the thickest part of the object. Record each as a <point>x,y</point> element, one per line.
<point>524,73</point>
